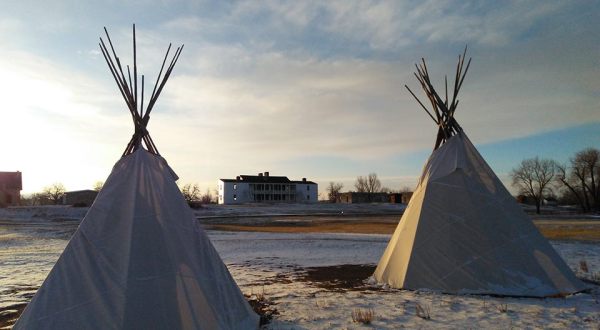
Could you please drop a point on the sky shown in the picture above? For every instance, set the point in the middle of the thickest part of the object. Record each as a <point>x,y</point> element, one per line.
<point>296,88</point>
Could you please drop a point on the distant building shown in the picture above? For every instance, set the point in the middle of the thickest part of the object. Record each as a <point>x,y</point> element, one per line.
<point>550,201</point>
<point>80,197</point>
<point>11,184</point>
<point>263,188</point>
<point>352,197</point>
<point>406,196</point>
<point>395,198</point>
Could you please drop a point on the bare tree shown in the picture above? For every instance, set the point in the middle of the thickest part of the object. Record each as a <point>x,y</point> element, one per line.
<point>369,184</point>
<point>191,193</point>
<point>361,184</point>
<point>54,192</point>
<point>98,185</point>
<point>587,169</point>
<point>333,191</point>
<point>569,181</point>
<point>207,197</point>
<point>582,179</point>
<point>533,177</point>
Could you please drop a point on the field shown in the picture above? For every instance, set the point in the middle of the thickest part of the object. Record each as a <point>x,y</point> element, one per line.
<point>311,269</point>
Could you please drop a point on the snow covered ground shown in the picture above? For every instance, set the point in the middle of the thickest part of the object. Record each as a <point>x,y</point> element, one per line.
<point>276,265</point>
<point>314,280</point>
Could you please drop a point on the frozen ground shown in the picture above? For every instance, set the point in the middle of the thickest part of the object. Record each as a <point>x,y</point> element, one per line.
<point>291,269</point>
<point>315,281</point>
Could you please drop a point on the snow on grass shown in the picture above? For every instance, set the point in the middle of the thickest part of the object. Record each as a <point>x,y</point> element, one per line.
<point>34,214</point>
<point>313,280</point>
<point>279,266</point>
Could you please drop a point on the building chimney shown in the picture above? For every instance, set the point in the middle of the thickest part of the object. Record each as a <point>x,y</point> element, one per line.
<point>259,174</point>
<point>267,174</point>
<point>237,178</point>
<point>303,179</point>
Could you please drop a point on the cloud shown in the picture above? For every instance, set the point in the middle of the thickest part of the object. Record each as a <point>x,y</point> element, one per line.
<point>390,25</point>
<point>263,82</point>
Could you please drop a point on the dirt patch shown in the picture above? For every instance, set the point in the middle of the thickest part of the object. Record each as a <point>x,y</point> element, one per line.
<point>10,315</point>
<point>339,277</point>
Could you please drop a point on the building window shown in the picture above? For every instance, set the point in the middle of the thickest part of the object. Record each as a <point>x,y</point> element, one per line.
<point>307,188</point>
<point>235,197</point>
<point>307,197</point>
<point>235,187</point>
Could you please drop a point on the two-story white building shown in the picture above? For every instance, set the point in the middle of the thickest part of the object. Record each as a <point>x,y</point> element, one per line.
<point>263,188</point>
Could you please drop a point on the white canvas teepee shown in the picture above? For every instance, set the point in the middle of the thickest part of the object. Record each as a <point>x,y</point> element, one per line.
<point>139,260</point>
<point>462,231</point>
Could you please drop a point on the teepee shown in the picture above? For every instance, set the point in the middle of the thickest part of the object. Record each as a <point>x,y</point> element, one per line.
<point>139,260</point>
<point>462,231</point>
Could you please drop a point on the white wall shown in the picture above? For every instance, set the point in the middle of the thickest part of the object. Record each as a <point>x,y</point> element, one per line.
<point>305,195</point>
<point>233,192</point>
<point>238,192</point>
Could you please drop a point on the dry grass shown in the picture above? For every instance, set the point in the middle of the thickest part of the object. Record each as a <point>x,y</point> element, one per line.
<point>364,316</point>
<point>583,266</point>
<point>551,229</point>
<point>502,308</point>
<point>262,306</point>
<point>485,305</point>
<point>570,232</point>
<point>321,304</point>
<point>423,311</point>
<point>352,227</point>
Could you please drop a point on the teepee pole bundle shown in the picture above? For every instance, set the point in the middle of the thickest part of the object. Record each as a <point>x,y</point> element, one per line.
<point>129,91</point>
<point>444,112</point>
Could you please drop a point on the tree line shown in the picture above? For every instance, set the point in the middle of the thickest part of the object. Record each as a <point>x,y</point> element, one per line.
<point>51,194</point>
<point>575,182</point>
<point>572,183</point>
<point>54,193</point>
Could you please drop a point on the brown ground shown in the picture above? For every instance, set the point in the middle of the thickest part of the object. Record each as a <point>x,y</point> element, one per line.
<point>575,229</point>
<point>366,227</point>
<point>585,230</point>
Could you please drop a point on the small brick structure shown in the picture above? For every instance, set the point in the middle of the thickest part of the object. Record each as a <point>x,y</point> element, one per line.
<point>11,184</point>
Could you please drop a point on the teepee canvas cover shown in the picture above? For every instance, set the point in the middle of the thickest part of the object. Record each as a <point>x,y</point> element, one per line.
<point>139,260</point>
<point>462,231</point>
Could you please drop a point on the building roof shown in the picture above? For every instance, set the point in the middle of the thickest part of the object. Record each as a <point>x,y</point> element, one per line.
<point>303,182</point>
<point>11,180</point>
<point>81,191</point>
<point>356,193</point>
<point>265,179</point>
